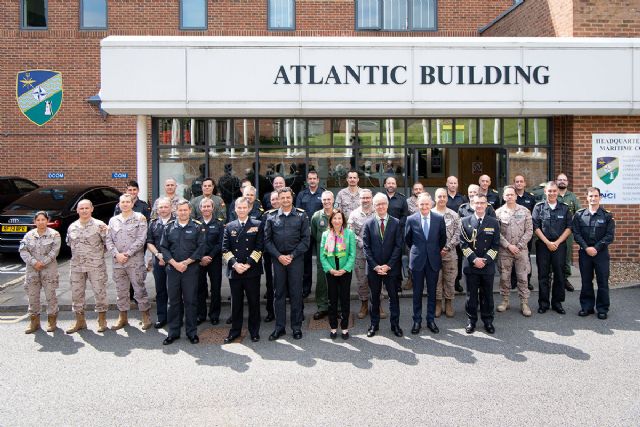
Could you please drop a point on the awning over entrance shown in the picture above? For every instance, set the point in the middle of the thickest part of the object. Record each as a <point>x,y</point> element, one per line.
<point>359,77</point>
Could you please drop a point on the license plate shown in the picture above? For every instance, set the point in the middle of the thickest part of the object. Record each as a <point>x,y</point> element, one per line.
<point>14,228</point>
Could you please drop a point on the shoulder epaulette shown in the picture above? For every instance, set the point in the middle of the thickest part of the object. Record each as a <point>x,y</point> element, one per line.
<point>540,203</point>
<point>566,204</point>
<point>221,219</point>
<point>494,190</point>
<point>271,211</point>
<point>530,193</point>
<point>197,222</point>
<point>260,209</point>
<point>581,210</point>
<point>401,194</point>
<point>300,210</point>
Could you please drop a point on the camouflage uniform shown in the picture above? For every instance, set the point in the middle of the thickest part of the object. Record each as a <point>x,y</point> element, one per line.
<point>128,236</point>
<point>347,202</point>
<point>219,208</point>
<point>412,203</point>
<point>174,206</point>
<point>449,272</point>
<point>45,248</point>
<point>572,201</point>
<point>87,262</point>
<point>516,228</point>
<point>356,223</point>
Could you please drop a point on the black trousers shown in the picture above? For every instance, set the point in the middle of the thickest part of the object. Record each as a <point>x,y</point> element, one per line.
<point>239,288</point>
<point>548,261</point>
<point>160,279</point>
<point>484,283</point>
<point>268,274</point>
<point>339,290</point>
<point>600,265</point>
<point>183,299</point>
<point>308,268</point>
<point>289,278</point>
<point>375,286</point>
<point>214,271</point>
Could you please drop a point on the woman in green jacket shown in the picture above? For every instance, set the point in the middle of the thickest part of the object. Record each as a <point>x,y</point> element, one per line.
<point>337,256</point>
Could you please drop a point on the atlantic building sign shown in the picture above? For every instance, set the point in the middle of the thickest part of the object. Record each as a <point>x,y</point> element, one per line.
<point>397,75</point>
<point>369,77</point>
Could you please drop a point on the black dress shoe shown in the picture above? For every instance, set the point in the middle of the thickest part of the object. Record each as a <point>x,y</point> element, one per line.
<point>397,331</point>
<point>305,294</point>
<point>345,335</point>
<point>568,286</point>
<point>584,313</point>
<point>470,328</point>
<point>458,287</point>
<point>558,309</point>
<point>200,321</point>
<point>333,335</point>
<point>169,340</point>
<point>371,332</point>
<point>159,324</point>
<point>602,316</point>
<point>319,314</point>
<point>231,338</point>
<point>270,317</point>
<point>194,339</point>
<point>276,334</point>
<point>297,334</point>
<point>433,327</point>
<point>215,321</point>
<point>489,328</point>
<point>415,329</point>
<point>255,338</point>
<point>530,286</point>
<point>229,320</point>
<point>542,310</point>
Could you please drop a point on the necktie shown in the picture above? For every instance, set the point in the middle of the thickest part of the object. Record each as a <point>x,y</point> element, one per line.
<point>479,223</point>
<point>242,225</point>
<point>425,227</point>
<point>382,227</point>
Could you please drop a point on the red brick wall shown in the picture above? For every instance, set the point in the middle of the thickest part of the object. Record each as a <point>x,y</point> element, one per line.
<point>536,18</point>
<point>611,18</point>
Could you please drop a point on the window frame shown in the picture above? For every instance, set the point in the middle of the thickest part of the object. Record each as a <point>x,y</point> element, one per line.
<point>293,24</point>
<point>380,26</point>
<point>23,11</point>
<point>206,18</point>
<point>106,16</point>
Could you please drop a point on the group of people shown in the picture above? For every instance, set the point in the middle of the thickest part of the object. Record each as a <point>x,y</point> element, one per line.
<point>356,231</point>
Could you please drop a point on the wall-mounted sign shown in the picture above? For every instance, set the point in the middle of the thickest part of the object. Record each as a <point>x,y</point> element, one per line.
<point>39,94</point>
<point>55,175</point>
<point>476,168</point>
<point>616,167</point>
<point>116,175</point>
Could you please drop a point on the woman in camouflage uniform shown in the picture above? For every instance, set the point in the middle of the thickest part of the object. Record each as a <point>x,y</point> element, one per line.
<point>39,249</point>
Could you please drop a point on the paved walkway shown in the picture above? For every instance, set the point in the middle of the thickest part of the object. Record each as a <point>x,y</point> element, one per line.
<point>13,297</point>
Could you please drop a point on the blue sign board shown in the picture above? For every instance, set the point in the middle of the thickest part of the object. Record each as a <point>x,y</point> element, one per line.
<point>116,175</point>
<point>55,175</point>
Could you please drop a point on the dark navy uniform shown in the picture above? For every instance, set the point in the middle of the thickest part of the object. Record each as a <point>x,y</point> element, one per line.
<point>244,244</point>
<point>480,241</point>
<point>154,236</point>
<point>594,230</point>
<point>494,199</point>
<point>528,200</point>
<point>466,210</point>
<point>268,270</point>
<point>456,201</point>
<point>552,223</point>
<point>214,231</point>
<point>181,243</point>
<point>287,235</point>
<point>255,213</point>
<point>139,206</point>
<point>310,203</point>
<point>398,207</point>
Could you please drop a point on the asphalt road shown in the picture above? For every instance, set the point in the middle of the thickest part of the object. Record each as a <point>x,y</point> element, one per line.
<point>546,370</point>
<point>11,268</point>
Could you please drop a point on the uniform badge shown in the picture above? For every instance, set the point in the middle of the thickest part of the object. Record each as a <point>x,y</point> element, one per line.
<point>39,94</point>
<point>252,230</point>
<point>234,233</point>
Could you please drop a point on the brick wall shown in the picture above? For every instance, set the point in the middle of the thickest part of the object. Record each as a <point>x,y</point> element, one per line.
<point>535,18</point>
<point>611,18</point>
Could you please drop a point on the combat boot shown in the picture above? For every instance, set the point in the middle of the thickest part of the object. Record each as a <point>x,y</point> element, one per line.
<point>123,320</point>
<point>34,324</point>
<point>408,284</point>
<point>102,321</point>
<point>52,322</point>
<point>80,323</point>
<point>504,305</point>
<point>524,308</point>
<point>438,307</point>
<point>383,315</point>
<point>364,310</point>
<point>146,320</point>
<point>448,308</point>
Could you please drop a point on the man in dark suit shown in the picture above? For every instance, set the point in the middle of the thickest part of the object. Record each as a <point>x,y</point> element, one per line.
<point>242,253</point>
<point>382,239</point>
<point>425,234</point>
<point>480,241</point>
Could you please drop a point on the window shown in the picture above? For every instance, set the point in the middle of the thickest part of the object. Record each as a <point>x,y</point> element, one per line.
<point>193,14</point>
<point>281,14</point>
<point>34,14</point>
<point>396,15</point>
<point>93,14</point>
